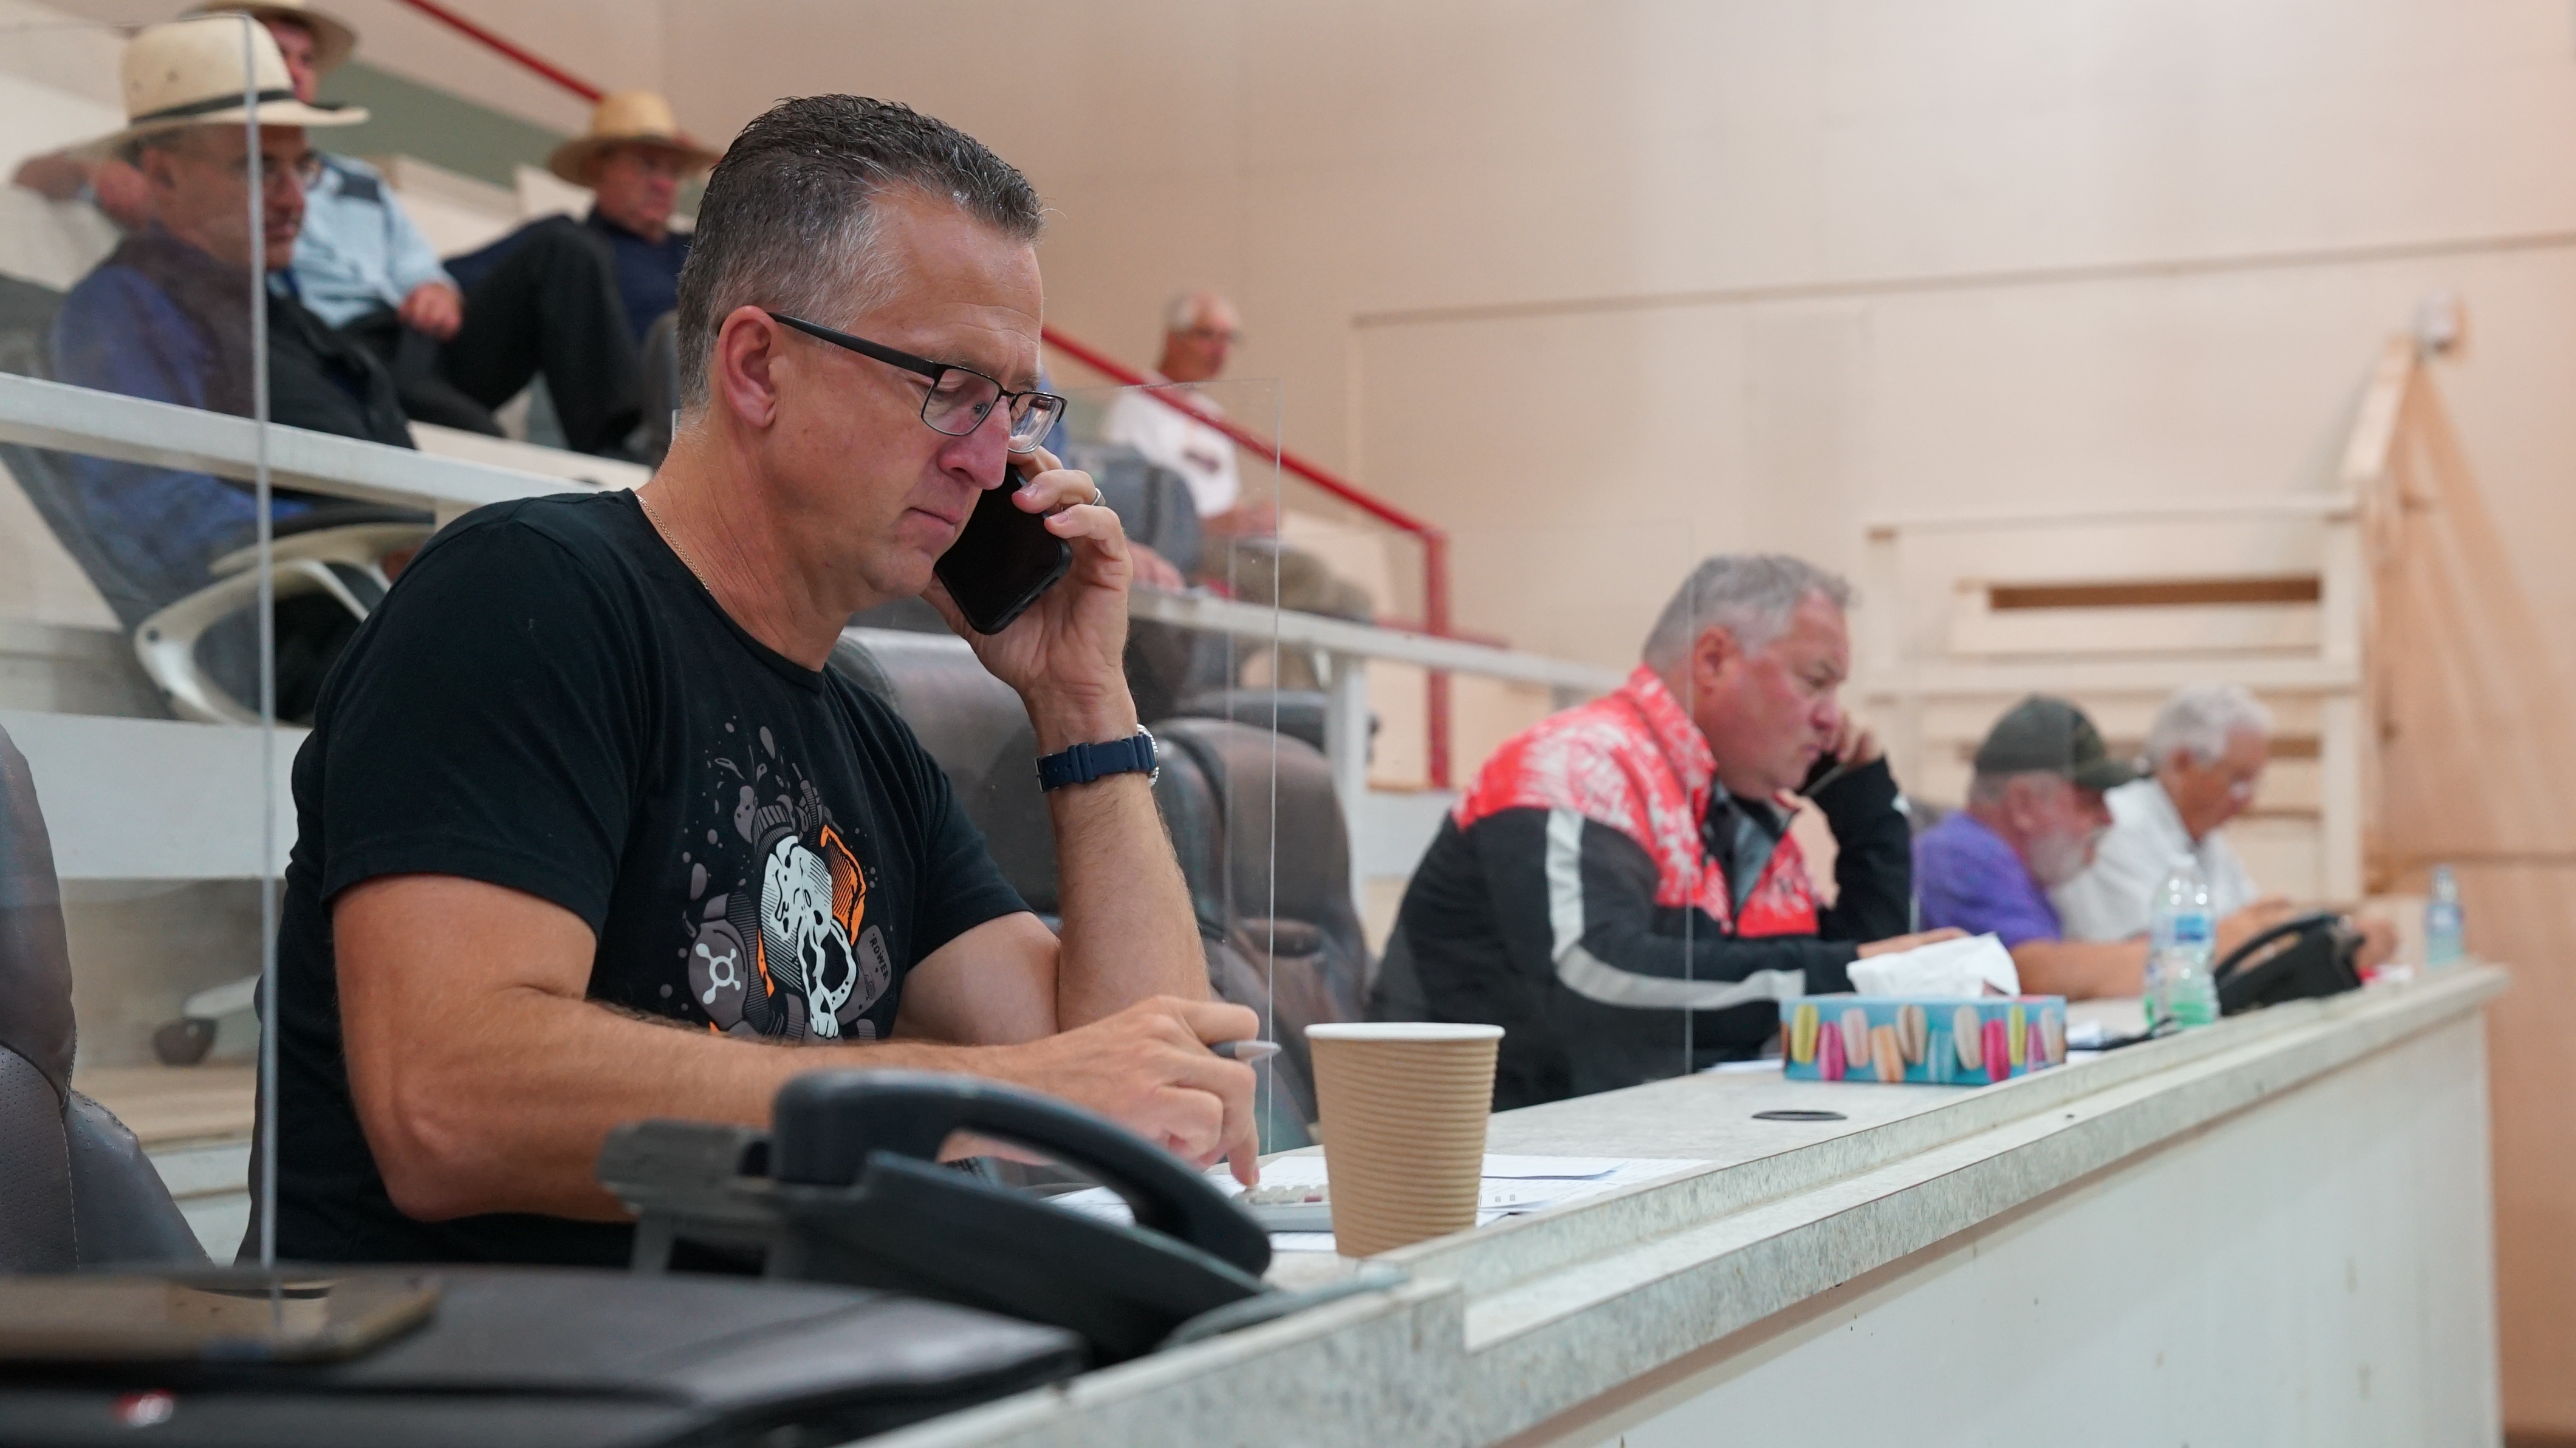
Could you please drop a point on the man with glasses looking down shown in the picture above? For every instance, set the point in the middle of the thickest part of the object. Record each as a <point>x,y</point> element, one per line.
<point>2206,752</point>
<point>589,834</point>
<point>1619,890</point>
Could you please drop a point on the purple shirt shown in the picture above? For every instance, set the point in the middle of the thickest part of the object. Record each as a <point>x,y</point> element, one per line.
<point>1965,875</point>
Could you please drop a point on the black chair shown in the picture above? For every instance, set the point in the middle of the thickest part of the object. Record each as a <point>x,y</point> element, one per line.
<point>1152,502</point>
<point>75,1188</point>
<point>1281,903</point>
<point>1215,793</point>
<point>1297,713</point>
<point>661,358</point>
<point>979,732</point>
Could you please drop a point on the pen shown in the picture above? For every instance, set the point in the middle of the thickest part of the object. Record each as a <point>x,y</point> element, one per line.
<point>1245,1051</point>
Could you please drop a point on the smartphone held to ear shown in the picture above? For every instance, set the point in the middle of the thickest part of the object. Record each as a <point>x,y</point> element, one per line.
<point>1003,560</point>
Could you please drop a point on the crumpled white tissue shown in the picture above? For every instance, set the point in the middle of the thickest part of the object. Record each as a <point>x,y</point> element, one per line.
<point>1947,968</point>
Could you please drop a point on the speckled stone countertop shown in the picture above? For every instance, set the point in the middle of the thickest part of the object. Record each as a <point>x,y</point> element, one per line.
<point>1502,1328</point>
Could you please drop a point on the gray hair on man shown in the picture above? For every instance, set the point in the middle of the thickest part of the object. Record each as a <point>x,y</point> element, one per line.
<point>1184,311</point>
<point>789,220</point>
<point>2199,719</point>
<point>1750,595</point>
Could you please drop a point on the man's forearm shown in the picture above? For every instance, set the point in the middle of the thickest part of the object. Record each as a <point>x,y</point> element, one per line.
<point>1129,930</point>
<point>1874,858</point>
<point>509,1115</point>
<point>2081,969</point>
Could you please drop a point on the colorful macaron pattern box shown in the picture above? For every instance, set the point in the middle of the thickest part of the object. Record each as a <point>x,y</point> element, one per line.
<point>1938,1042</point>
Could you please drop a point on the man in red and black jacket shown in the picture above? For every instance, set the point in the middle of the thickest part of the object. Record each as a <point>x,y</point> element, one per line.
<point>1619,890</point>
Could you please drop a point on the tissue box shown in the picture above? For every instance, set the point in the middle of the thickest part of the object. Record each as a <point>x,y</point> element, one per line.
<point>1951,1041</point>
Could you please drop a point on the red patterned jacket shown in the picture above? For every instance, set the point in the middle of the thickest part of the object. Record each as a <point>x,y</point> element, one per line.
<point>1596,894</point>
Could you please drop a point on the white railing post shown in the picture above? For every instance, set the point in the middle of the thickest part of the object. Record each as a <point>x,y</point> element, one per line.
<point>1346,749</point>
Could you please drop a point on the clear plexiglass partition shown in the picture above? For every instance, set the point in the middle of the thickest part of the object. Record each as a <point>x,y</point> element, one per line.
<point>1238,715</point>
<point>165,612</point>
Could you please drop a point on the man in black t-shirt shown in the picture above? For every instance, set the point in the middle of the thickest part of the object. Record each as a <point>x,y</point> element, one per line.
<point>587,833</point>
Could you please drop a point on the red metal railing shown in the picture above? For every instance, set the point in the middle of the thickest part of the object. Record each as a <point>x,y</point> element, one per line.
<point>1435,543</point>
<point>506,49</point>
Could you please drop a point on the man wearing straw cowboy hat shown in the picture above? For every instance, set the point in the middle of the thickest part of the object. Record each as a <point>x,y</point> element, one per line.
<point>167,314</point>
<point>634,159</point>
<point>312,43</point>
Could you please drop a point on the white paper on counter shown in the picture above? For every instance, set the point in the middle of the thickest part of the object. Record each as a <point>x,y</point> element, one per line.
<point>1975,966</point>
<point>1513,1186</point>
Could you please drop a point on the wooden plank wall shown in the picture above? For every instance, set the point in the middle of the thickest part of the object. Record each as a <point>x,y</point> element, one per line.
<point>2477,744</point>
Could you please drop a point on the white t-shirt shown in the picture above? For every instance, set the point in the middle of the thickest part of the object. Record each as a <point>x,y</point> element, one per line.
<point>2113,897</point>
<point>1203,456</point>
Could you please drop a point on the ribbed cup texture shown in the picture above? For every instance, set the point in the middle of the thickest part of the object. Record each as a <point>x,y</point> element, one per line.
<point>1404,1137</point>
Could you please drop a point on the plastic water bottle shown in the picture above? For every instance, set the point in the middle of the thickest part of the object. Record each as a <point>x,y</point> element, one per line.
<point>2442,921</point>
<point>2182,932</point>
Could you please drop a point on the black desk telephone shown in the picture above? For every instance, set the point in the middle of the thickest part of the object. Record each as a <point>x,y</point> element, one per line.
<point>2310,956</point>
<point>847,1189</point>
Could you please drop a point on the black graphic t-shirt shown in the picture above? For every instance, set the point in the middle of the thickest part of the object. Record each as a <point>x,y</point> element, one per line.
<point>549,701</point>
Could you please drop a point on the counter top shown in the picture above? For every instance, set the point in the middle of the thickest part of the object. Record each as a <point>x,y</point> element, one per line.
<point>1504,1327</point>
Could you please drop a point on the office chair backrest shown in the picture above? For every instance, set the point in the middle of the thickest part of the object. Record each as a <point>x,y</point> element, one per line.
<point>979,732</point>
<point>75,1188</point>
<point>661,359</point>
<point>1153,502</point>
<point>1299,940</point>
<point>1297,713</point>
<point>1282,903</point>
<point>36,1225</point>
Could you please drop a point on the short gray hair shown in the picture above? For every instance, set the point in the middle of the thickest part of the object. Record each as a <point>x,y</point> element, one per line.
<point>789,220</point>
<point>1750,595</point>
<point>2199,718</point>
<point>1182,312</point>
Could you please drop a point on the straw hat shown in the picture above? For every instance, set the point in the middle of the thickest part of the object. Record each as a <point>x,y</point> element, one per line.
<point>624,118</point>
<point>189,73</point>
<point>333,37</point>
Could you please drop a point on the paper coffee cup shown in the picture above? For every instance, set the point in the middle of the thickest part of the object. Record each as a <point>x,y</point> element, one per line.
<point>1404,1105</point>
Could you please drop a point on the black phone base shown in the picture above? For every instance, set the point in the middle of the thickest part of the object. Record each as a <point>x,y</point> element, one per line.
<point>847,1192</point>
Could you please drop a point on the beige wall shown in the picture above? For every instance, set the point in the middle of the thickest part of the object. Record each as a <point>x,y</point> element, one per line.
<point>1601,287</point>
<point>1621,284</point>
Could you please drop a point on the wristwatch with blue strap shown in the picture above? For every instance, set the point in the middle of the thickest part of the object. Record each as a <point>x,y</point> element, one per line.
<point>1084,763</point>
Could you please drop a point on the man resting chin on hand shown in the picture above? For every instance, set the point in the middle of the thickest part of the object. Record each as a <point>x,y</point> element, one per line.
<point>1619,890</point>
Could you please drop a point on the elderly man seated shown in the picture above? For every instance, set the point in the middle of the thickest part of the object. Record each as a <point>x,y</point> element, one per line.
<point>2034,815</point>
<point>1241,547</point>
<point>167,315</point>
<point>1620,880</point>
<point>2207,749</point>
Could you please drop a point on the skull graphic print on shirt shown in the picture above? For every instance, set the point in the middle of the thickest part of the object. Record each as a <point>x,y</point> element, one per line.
<point>787,953</point>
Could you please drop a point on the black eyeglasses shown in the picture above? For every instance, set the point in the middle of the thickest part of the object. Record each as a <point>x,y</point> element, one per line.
<point>960,398</point>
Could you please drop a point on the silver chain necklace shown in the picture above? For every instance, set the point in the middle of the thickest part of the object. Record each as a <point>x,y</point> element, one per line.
<point>670,539</point>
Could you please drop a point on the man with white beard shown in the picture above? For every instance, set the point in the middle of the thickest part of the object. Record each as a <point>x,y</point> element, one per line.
<point>2034,815</point>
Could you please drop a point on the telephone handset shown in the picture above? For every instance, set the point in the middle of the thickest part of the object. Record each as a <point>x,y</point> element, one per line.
<point>846,1189</point>
<point>2316,961</point>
